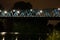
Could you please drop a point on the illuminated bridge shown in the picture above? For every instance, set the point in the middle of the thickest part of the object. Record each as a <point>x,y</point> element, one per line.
<point>30,13</point>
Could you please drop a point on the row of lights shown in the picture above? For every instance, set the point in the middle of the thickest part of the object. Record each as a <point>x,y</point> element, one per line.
<point>3,34</point>
<point>7,11</point>
<point>19,11</point>
<point>30,10</point>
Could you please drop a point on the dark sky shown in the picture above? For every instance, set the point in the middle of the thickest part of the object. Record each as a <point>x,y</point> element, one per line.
<point>37,4</point>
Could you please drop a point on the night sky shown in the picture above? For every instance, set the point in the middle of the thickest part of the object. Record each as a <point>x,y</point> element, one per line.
<point>37,4</point>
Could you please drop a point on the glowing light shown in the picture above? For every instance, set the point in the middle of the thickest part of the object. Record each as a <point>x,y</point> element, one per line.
<point>0,10</point>
<point>30,9</point>
<point>18,11</point>
<point>3,33</point>
<point>16,33</point>
<point>5,11</point>
<point>14,10</point>
<point>16,38</point>
<point>3,38</point>
<point>41,11</point>
<point>58,8</point>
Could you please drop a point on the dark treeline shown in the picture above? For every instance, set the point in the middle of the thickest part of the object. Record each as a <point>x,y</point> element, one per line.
<point>1,7</point>
<point>22,5</point>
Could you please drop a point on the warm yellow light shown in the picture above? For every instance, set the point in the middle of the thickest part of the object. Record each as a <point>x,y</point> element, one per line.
<point>16,33</point>
<point>3,33</point>
<point>3,38</point>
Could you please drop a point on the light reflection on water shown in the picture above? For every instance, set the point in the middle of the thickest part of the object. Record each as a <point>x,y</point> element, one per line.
<point>16,36</point>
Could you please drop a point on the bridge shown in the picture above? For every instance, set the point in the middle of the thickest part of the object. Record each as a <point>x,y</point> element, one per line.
<point>30,13</point>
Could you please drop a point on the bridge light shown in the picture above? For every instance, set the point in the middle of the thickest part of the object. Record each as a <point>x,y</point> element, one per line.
<point>41,11</point>
<point>0,11</point>
<point>30,9</point>
<point>5,11</point>
<point>18,11</point>
<point>58,8</point>
<point>14,10</point>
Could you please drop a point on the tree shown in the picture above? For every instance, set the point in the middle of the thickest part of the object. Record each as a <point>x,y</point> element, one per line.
<point>22,5</point>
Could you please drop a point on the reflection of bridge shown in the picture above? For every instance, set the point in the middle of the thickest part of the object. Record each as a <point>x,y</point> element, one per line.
<point>30,13</point>
<point>27,36</point>
<point>19,36</point>
<point>32,36</point>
